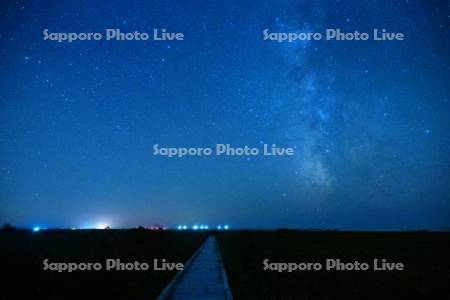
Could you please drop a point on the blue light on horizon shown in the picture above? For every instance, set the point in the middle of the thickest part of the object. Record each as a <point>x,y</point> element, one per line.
<point>201,227</point>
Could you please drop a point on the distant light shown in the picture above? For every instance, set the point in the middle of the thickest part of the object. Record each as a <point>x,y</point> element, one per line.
<point>219,227</point>
<point>101,226</point>
<point>206,226</point>
<point>180,227</point>
<point>195,227</point>
<point>36,228</point>
<point>202,227</point>
<point>225,227</point>
<point>184,227</point>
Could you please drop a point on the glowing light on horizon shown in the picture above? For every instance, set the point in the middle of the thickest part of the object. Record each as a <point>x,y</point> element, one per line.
<point>199,227</point>
<point>101,226</point>
<point>182,227</point>
<point>36,229</point>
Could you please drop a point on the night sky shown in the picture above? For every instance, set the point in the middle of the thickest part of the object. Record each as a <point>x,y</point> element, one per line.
<point>369,120</point>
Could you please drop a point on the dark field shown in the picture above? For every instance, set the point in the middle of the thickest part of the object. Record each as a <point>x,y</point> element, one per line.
<point>22,253</point>
<point>424,254</point>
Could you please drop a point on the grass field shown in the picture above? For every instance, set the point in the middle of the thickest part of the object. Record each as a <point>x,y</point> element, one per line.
<point>22,253</point>
<point>425,255</point>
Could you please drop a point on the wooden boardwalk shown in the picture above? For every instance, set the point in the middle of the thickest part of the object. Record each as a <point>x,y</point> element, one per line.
<point>203,276</point>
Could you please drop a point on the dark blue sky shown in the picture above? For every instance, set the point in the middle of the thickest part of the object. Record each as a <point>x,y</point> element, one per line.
<point>369,120</point>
